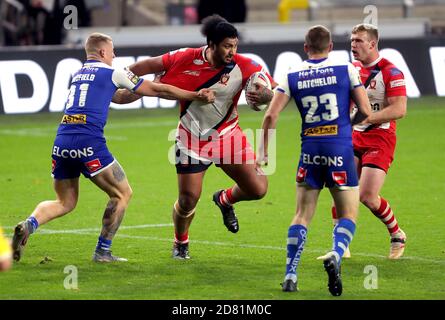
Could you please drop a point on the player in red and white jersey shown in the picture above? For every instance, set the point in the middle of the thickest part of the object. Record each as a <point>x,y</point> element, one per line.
<point>209,132</point>
<point>375,141</point>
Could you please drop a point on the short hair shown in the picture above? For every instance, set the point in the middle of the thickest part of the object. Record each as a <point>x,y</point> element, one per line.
<point>318,39</point>
<point>371,30</point>
<point>216,29</point>
<point>94,41</point>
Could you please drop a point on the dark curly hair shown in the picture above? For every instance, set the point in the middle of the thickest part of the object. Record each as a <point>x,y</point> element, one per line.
<point>216,29</point>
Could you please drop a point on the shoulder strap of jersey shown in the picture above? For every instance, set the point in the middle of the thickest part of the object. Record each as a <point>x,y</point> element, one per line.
<point>374,72</point>
<point>229,67</point>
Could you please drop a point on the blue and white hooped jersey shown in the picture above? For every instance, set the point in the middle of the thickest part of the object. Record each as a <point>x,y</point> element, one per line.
<point>91,91</point>
<point>321,89</point>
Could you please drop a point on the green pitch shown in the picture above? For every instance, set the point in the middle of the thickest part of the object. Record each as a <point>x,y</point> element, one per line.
<point>246,265</point>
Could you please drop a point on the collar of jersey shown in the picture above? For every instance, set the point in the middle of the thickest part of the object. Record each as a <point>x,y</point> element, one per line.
<point>92,61</point>
<point>373,63</point>
<point>204,53</point>
<point>316,60</point>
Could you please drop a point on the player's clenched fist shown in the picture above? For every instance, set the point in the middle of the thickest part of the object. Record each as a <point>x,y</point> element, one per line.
<point>206,95</point>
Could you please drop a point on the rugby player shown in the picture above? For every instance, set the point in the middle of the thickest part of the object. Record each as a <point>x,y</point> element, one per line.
<point>80,145</point>
<point>375,142</point>
<point>322,89</point>
<point>210,133</point>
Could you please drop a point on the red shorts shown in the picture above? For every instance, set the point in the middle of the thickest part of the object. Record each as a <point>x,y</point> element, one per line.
<point>374,148</point>
<point>233,148</point>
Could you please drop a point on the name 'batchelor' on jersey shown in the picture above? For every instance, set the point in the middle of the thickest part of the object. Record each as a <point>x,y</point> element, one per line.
<point>91,91</point>
<point>321,89</point>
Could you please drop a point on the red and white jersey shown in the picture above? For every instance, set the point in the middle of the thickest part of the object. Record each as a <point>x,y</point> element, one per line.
<point>188,69</point>
<point>389,82</point>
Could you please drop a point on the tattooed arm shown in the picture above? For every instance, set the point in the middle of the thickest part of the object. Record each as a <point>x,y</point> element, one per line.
<point>262,95</point>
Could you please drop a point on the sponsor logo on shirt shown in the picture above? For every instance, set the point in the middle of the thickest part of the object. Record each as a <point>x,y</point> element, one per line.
<point>330,130</point>
<point>397,83</point>
<point>395,71</point>
<point>132,77</point>
<point>195,73</point>
<point>74,119</point>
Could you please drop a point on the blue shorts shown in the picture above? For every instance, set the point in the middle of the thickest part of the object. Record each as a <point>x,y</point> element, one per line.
<point>73,154</point>
<point>327,164</point>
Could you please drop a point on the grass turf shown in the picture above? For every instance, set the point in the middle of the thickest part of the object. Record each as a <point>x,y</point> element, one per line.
<point>248,265</point>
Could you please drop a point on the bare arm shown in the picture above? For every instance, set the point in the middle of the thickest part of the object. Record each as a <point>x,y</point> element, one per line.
<point>122,96</point>
<point>278,103</point>
<point>147,66</point>
<point>261,95</point>
<point>361,100</point>
<point>149,88</point>
<point>395,109</point>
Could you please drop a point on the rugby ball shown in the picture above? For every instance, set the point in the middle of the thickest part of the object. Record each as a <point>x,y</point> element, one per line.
<point>260,78</point>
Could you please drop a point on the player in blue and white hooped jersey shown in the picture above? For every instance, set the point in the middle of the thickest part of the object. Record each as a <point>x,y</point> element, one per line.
<point>322,89</point>
<point>80,146</point>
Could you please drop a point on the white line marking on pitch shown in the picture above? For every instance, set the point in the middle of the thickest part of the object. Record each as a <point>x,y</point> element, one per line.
<point>89,231</point>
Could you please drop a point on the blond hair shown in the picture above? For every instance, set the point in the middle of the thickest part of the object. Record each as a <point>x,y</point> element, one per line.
<point>94,42</point>
<point>371,30</point>
<point>318,39</point>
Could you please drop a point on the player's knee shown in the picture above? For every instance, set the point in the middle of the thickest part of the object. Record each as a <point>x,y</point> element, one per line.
<point>371,201</point>
<point>69,204</point>
<point>187,201</point>
<point>259,192</point>
<point>128,194</point>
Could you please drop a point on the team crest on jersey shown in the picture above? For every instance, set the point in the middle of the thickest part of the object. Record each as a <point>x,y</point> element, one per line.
<point>198,62</point>
<point>372,84</point>
<point>224,79</point>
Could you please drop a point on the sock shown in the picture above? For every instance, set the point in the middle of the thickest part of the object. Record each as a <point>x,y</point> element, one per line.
<point>33,224</point>
<point>385,214</point>
<point>184,238</point>
<point>296,238</point>
<point>103,244</point>
<point>226,198</point>
<point>342,236</point>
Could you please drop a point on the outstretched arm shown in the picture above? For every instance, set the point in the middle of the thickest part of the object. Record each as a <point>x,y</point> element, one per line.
<point>122,96</point>
<point>147,66</point>
<point>278,103</point>
<point>149,88</point>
